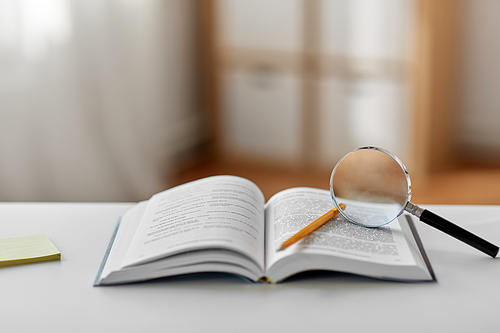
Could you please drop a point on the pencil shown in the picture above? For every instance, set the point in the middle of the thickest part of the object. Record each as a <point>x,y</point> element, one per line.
<point>311,227</point>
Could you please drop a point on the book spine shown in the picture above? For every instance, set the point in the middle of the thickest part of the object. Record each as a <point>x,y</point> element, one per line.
<point>97,281</point>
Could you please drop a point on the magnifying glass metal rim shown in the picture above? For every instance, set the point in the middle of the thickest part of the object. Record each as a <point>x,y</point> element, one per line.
<point>401,165</point>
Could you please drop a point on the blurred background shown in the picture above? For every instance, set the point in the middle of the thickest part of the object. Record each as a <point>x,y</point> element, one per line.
<point>115,100</point>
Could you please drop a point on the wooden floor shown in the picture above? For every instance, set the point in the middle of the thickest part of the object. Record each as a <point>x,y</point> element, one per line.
<point>478,186</point>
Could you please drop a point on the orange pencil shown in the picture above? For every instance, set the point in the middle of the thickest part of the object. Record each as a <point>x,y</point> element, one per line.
<point>311,227</point>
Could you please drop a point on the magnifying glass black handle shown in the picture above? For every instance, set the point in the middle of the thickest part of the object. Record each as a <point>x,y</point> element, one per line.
<point>454,230</point>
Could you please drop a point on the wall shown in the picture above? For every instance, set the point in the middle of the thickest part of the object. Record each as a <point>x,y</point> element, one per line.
<point>479,134</point>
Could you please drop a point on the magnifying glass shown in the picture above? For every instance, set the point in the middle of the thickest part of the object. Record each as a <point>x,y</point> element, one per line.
<point>375,187</point>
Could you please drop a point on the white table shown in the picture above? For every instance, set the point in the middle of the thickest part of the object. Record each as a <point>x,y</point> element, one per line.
<point>58,296</point>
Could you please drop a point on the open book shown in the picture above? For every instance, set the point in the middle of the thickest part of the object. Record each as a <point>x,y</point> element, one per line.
<point>222,224</point>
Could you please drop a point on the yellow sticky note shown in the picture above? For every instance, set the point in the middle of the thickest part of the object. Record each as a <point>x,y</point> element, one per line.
<point>27,249</point>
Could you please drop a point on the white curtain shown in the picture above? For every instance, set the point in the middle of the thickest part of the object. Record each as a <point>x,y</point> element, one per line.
<point>96,97</point>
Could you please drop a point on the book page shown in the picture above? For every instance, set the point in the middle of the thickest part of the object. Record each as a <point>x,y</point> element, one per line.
<point>121,240</point>
<point>216,212</point>
<point>291,210</point>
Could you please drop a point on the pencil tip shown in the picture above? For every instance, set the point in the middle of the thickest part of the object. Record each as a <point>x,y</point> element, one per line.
<point>282,247</point>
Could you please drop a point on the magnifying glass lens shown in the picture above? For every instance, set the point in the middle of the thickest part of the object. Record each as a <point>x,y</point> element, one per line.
<point>373,184</point>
